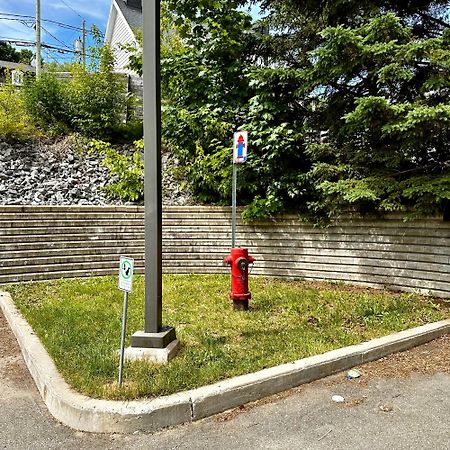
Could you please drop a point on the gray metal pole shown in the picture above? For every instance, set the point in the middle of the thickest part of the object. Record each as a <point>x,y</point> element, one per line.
<point>233,207</point>
<point>38,39</point>
<point>152,171</point>
<point>122,338</point>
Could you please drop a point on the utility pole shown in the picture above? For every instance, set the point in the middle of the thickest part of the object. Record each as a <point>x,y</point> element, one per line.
<point>38,39</point>
<point>156,340</point>
<point>83,44</point>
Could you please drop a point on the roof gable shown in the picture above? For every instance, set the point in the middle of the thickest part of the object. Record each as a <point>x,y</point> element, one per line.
<point>130,11</point>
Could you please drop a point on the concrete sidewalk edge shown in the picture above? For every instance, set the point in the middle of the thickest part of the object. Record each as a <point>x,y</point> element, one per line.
<point>104,416</point>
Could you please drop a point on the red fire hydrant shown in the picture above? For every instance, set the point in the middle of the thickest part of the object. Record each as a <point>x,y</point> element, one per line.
<point>239,261</point>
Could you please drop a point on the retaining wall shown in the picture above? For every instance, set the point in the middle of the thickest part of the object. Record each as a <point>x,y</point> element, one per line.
<point>52,242</point>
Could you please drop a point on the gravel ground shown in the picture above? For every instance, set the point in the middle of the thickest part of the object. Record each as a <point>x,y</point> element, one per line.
<point>59,173</point>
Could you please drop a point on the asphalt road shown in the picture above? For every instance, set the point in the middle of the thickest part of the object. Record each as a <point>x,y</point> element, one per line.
<point>392,406</point>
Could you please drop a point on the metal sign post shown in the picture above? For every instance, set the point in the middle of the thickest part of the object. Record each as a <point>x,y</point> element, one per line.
<point>240,148</point>
<point>233,207</point>
<point>126,270</point>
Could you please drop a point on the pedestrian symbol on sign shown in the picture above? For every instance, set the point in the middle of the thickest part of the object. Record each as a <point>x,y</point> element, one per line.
<point>240,147</point>
<point>126,273</point>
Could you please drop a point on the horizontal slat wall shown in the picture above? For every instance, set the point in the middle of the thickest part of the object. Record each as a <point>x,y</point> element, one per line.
<point>53,242</point>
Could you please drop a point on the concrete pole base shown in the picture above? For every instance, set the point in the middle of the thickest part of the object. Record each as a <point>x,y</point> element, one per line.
<point>155,355</point>
<point>155,347</point>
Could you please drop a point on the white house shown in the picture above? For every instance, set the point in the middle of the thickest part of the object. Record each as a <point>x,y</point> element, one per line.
<point>125,18</point>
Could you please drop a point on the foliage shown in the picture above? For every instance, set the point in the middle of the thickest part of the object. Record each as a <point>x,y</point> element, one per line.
<point>9,53</point>
<point>126,132</point>
<point>346,104</point>
<point>54,67</point>
<point>45,101</point>
<point>15,123</point>
<point>384,105</point>
<point>92,101</point>
<point>289,320</point>
<point>128,170</point>
<point>171,41</point>
<point>95,99</point>
<point>205,93</point>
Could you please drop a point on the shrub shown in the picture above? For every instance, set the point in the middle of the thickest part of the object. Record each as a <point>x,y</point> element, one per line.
<point>96,101</point>
<point>129,171</point>
<point>44,100</point>
<point>15,123</point>
<point>127,132</point>
<point>91,102</point>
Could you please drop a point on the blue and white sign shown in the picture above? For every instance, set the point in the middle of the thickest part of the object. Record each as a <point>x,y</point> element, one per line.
<point>240,147</point>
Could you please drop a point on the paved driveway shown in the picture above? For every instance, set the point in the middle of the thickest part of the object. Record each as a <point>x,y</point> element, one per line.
<point>401,402</point>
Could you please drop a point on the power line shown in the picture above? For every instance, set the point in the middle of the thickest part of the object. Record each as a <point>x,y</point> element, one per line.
<point>11,28</point>
<point>28,43</point>
<point>56,39</point>
<point>68,6</point>
<point>59,58</point>
<point>31,25</point>
<point>21,17</point>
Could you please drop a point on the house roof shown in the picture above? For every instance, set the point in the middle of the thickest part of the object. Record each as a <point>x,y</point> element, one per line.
<point>13,65</point>
<point>132,15</point>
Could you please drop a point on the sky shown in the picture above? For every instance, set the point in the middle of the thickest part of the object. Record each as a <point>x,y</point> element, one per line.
<point>95,12</point>
<point>69,12</point>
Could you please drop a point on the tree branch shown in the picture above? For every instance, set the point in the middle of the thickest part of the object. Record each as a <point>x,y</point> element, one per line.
<point>437,21</point>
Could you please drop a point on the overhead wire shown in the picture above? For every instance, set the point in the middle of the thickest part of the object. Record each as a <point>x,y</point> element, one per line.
<point>29,43</point>
<point>20,17</point>
<point>55,38</point>
<point>29,21</point>
<point>76,12</point>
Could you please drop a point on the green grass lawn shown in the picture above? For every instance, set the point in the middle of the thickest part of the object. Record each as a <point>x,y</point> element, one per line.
<point>79,323</point>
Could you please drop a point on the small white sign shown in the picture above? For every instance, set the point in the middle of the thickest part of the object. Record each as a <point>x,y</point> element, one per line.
<point>126,273</point>
<point>240,147</point>
<point>17,77</point>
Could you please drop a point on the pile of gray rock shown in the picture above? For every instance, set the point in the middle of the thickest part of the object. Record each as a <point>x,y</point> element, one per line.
<point>59,173</point>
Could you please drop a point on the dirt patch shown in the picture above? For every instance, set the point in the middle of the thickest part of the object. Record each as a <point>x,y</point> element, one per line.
<point>8,342</point>
<point>12,366</point>
<point>351,288</point>
<point>428,359</point>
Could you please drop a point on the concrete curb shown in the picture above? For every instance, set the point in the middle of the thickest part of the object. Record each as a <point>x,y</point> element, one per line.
<point>104,416</point>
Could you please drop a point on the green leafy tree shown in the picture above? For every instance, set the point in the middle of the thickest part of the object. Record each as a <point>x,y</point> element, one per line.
<point>9,53</point>
<point>382,98</point>
<point>346,103</point>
